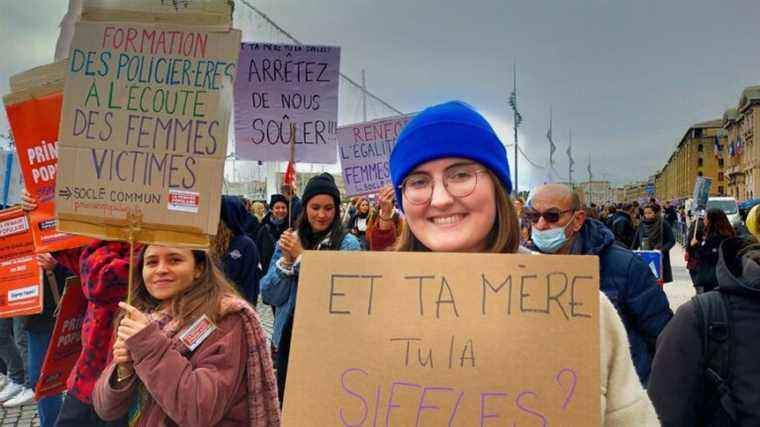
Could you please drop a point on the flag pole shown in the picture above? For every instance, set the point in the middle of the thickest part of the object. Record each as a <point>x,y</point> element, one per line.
<point>287,170</point>
<point>514,85</point>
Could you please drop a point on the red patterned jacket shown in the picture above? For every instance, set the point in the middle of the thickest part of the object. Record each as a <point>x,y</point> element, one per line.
<point>103,268</point>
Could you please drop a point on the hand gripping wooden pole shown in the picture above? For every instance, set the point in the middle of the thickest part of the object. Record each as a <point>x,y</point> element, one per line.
<point>134,218</point>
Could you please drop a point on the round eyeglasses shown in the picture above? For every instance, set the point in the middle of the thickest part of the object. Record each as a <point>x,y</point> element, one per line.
<point>459,181</point>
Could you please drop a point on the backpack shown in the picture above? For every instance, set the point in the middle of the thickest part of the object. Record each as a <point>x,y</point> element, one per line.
<point>714,320</point>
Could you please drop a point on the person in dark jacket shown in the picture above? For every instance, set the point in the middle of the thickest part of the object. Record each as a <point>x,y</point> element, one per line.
<point>235,250</point>
<point>560,227</point>
<point>655,233</point>
<point>274,223</point>
<point>39,329</point>
<point>690,252</point>
<point>358,223</point>
<point>717,229</point>
<point>622,226</point>
<point>678,380</point>
<point>318,228</point>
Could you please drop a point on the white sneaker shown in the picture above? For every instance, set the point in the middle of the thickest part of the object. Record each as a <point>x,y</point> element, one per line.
<point>11,389</point>
<point>26,397</point>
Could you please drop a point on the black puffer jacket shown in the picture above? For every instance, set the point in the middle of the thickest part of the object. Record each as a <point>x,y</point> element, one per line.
<point>677,382</point>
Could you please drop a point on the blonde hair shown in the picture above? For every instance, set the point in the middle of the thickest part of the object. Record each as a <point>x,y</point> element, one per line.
<point>258,210</point>
<point>504,236</point>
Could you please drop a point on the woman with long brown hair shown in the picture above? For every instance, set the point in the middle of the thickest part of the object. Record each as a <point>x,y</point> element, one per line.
<point>451,178</point>
<point>188,351</point>
<point>717,229</point>
<point>318,228</point>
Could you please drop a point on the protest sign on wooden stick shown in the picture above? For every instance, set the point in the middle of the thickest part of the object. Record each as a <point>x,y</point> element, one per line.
<point>444,339</point>
<point>144,126</point>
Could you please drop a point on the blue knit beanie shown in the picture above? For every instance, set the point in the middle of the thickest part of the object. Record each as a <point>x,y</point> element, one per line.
<point>453,129</point>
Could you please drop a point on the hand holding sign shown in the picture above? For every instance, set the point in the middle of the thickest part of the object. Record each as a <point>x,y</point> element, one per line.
<point>290,244</point>
<point>386,196</point>
<point>121,354</point>
<point>46,261</point>
<point>28,203</point>
<point>134,322</point>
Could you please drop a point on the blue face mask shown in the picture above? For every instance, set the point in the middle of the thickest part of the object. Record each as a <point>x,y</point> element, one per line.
<point>276,221</point>
<point>551,240</point>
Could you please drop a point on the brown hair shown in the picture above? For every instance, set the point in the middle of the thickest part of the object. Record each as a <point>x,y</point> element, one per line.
<point>202,297</point>
<point>504,236</point>
<point>221,242</point>
<point>718,224</point>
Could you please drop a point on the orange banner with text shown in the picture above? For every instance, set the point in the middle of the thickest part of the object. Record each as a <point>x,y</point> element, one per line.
<point>35,129</point>
<point>20,275</point>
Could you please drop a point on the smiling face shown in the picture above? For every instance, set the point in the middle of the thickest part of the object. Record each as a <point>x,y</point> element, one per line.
<point>280,210</point>
<point>453,224</point>
<point>167,272</point>
<point>320,212</point>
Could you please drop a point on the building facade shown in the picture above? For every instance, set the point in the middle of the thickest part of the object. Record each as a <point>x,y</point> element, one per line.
<point>743,154</point>
<point>596,192</point>
<point>700,152</point>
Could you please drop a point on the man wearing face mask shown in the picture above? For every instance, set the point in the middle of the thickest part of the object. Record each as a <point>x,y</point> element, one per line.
<point>560,226</point>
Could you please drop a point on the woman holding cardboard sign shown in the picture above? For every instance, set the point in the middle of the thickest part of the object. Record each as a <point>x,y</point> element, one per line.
<point>318,228</point>
<point>451,176</point>
<point>193,350</point>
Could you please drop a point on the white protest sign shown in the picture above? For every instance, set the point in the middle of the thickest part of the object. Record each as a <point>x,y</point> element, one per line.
<point>282,85</point>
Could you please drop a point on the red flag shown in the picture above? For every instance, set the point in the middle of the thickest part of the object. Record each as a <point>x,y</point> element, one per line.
<point>290,174</point>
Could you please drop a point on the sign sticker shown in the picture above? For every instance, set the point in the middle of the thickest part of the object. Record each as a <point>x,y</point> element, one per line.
<point>184,201</point>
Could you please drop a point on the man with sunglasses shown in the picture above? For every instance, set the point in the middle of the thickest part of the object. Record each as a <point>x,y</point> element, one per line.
<point>559,226</point>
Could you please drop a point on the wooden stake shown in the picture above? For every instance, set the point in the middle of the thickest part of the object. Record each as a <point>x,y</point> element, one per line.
<point>293,162</point>
<point>135,222</point>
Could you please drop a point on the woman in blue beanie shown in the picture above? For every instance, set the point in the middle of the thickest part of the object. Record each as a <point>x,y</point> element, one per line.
<point>318,228</point>
<point>451,176</point>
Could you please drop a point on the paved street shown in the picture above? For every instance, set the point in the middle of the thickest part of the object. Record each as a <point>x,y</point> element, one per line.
<point>679,291</point>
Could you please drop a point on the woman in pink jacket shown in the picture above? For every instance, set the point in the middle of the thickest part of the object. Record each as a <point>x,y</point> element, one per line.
<point>189,351</point>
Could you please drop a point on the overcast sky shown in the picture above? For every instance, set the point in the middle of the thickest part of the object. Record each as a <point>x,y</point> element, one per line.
<point>628,77</point>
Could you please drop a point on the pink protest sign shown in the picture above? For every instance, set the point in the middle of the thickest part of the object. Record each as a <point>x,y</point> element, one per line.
<point>365,149</point>
<point>282,85</point>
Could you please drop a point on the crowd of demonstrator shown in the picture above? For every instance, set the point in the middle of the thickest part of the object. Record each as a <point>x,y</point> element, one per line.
<point>451,193</point>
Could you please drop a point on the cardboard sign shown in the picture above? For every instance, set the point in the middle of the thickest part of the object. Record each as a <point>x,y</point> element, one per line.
<point>279,85</point>
<point>365,149</point>
<point>444,339</point>
<point>653,260</point>
<point>20,275</point>
<point>144,124</point>
<point>701,193</point>
<point>34,118</point>
<point>215,13</point>
<point>65,343</point>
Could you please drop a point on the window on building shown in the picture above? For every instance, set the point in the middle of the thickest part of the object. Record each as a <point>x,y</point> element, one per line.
<point>697,133</point>
<point>699,173</point>
<point>720,190</point>
<point>720,163</point>
<point>700,162</point>
<point>700,148</point>
<point>720,176</point>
